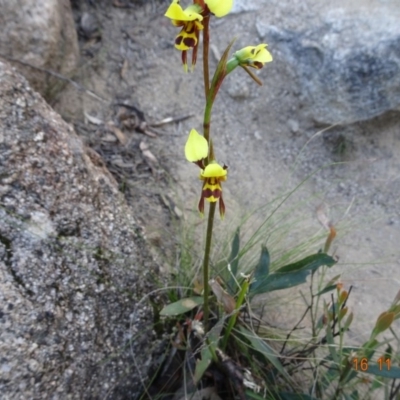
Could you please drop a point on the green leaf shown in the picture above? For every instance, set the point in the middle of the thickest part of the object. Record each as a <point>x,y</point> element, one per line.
<point>378,382</point>
<point>283,281</point>
<point>310,263</point>
<point>234,261</point>
<point>206,353</point>
<point>348,322</point>
<point>261,271</point>
<point>326,290</point>
<point>369,347</point>
<point>219,74</point>
<point>383,322</point>
<point>202,364</point>
<point>260,346</point>
<point>389,352</point>
<point>331,285</point>
<point>182,306</point>
<point>354,395</point>
<point>377,370</point>
<point>330,375</point>
<point>215,333</point>
<point>292,274</point>
<point>396,311</point>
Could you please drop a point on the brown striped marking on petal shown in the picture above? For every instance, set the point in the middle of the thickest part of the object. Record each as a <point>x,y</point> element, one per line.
<point>212,195</point>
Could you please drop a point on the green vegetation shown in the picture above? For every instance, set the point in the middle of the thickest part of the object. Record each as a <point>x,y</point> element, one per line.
<point>221,341</point>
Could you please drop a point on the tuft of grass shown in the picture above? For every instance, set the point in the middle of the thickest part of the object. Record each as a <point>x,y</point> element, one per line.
<point>257,337</point>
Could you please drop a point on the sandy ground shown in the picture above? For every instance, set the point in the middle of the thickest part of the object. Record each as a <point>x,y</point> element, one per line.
<point>261,133</point>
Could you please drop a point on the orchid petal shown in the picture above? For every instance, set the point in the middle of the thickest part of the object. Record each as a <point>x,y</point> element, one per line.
<point>196,147</point>
<point>262,54</point>
<point>221,207</point>
<point>219,8</point>
<point>201,205</point>
<point>214,170</point>
<point>176,13</point>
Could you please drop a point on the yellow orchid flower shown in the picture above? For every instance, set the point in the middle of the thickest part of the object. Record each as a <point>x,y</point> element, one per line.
<point>176,13</point>
<point>190,20</point>
<point>253,56</point>
<point>212,175</point>
<point>219,8</point>
<point>196,150</point>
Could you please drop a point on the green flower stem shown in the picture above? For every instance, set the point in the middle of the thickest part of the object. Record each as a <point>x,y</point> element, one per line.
<point>206,133</point>
<point>206,45</point>
<point>233,318</point>
<point>207,122</point>
<point>211,93</point>
<point>231,65</point>
<point>206,261</point>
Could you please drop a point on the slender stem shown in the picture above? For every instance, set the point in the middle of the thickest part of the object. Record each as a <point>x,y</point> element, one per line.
<point>206,45</point>
<point>207,250</point>
<point>207,121</point>
<point>206,133</point>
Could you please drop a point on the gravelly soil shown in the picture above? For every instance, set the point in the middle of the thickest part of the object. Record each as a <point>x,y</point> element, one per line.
<point>261,133</point>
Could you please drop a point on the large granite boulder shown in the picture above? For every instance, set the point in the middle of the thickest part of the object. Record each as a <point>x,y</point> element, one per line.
<point>73,262</point>
<point>41,33</point>
<point>346,60</point>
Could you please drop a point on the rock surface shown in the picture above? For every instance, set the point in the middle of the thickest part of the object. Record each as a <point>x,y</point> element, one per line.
<point>41,33</point>
<point>73,262</point>
<point>347,63</point>
<point>245,5</point>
